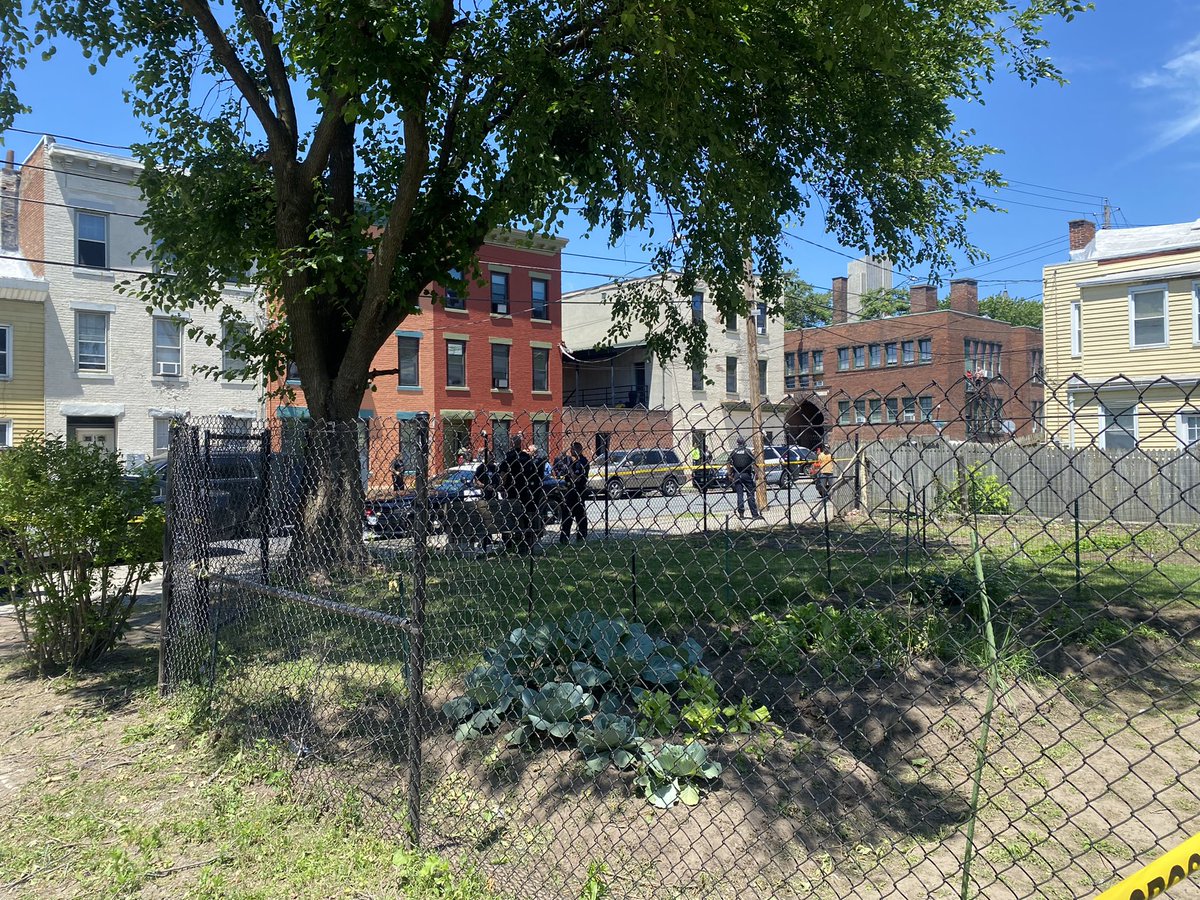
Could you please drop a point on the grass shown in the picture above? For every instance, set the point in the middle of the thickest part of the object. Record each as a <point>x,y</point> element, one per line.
<point>148,801</point>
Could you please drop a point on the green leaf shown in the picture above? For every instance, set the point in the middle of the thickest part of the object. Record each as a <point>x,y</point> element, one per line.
<point>689,795</point>
<point>663,795</point>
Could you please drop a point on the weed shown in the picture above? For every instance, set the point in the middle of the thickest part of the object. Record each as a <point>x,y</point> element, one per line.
<point>595,887</point>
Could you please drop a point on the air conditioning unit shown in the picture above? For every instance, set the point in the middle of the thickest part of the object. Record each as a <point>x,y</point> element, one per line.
<point>166,368</point>
<point>501,384</point>
<point>910,416</point>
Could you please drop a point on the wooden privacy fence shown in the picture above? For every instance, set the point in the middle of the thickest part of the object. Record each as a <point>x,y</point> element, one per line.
<point>1045,480</point>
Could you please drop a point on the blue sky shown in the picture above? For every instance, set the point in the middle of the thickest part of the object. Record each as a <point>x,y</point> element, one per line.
<point>1125,128</point>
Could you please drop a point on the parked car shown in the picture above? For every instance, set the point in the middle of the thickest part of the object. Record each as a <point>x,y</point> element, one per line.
<point>781,465</point>
<point>233,487</point>
<point>448,492</point>
<point>637,471</point>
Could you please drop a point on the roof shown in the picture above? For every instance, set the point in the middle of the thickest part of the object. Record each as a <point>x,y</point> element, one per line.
<point>1141,276</point>
<point>12,266</point>
<point>1113,243</point>
<point>17,281</point>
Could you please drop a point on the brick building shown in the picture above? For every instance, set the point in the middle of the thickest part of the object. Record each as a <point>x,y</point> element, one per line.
<point>949,371</point>
<point>486,360</point>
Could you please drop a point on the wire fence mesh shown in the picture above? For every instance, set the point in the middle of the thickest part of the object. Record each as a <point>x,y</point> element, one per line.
<point>677,653</point>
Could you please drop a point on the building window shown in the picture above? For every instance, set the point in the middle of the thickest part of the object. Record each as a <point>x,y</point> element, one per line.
<point>860,357</point>
<point>234,336</point>
<point>541,436</point>
<point>541,369</point>
<point>1148,317</point>
<point>1196,312</point>
<point>760,318</point>
<point>910,409</point>
<point>762,377</point>
<point>925,347</point>
<point>162,436</point>
<point>1189,429</point>
<point>500,367</point>
<point>539,298</point>
<point>293,373</point>
<point>91,341</point>
<point>818,362</point>
<point>501,437</point>
<point>1076,329</point>
<point>843,359</point>
<point>876,353</point>
<point>926,408</point>
<point>408,354</point>
<point>731,375</point>
<point>91,240</point>
<point>698,377</point>
<point>860,412</point>
<point>789,362</point>
<point>452,299</point>
<point>456,363</point>
<point>876,412</point>
<point>891,410</point>
<point>1118,427</point>
<point>698,307</point>
<point>843,412</point>
<point>893,356</point>
<point>6,433</point>
<point>500,293</point>
<point>168,348</point>
<point>908,348</point>
<point>1039,416</point>
<point>731,321</point>
<point>1035,363</point>
<point>6,351</point>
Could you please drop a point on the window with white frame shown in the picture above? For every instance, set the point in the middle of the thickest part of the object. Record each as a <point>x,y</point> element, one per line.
<point>162,435</point>
<point>234,336</point>
<point>6,433</point>
<point>91,341</point>
<point>500,293</point>
<point>91,240</point>
<point>1189,428</point>
<point>500,371</point>
<point>1076,329</point>
<point>168,348</point>
<point>453,300</point>
<point>1118,426</point>
<point>456,363</point>
<point>731,375</point>
<point>697,307</point>
<point>760,318</point>
<point>6,368</point>
<point>1196,312</point>
<point>1148,317</point>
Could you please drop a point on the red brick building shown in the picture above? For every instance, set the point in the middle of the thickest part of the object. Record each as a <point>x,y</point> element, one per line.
<point>949,371</point>
<point>483,361</point>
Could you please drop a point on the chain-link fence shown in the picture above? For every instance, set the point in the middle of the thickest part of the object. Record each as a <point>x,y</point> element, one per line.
<point>693,653</point>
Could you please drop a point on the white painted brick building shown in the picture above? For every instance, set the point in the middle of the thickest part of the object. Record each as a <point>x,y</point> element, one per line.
<point>115,374</point>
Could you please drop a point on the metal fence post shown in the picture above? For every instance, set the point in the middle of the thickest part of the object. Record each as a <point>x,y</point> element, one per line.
<point>828,546</point>
<point>1078,563</point>
<point>633,573</point>
<point>166,625</point>
<point>606,491</point>
<point>728,547</point>
<point>416,664</point>
<point>264,504</point>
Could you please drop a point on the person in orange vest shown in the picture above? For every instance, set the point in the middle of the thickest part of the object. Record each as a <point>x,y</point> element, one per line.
<point>823,472</point>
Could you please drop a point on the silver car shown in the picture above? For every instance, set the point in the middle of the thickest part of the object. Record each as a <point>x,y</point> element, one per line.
<point>635,471</point>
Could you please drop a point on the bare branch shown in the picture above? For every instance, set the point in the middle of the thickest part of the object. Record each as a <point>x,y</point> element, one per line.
<point>226,55</point>
<point>260,27</point>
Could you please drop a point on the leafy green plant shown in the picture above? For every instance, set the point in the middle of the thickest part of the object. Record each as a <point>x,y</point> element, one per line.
<point>656,714</point>
<point>594,886</point>
<point>552,711</point>
<point>490,691</point>
<point>674,773</point>
<point>608,739</point>
<point>78,536</point>
<point>985,494</point>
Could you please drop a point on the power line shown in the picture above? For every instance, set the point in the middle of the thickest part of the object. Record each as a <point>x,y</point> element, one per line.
<point>1056,190</point>
<point>67,137</point>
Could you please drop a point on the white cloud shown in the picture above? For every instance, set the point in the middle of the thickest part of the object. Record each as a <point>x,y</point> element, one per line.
<point>1177,82</point>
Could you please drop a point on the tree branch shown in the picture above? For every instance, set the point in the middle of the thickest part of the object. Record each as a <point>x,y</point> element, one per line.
<point>224,54</point>
<point>323,137</point>
<point>260,27</point>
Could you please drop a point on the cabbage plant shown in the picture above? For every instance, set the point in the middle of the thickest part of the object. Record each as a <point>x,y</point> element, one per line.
<point>553,711</point>
<point>608,739</point>
<point>674,774</point>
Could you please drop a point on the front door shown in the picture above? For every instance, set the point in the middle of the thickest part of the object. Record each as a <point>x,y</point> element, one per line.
<point>105,438</point>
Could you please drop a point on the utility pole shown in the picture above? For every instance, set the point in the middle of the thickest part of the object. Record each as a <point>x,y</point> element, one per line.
<point>756,425</point>
<point>1107,214</point>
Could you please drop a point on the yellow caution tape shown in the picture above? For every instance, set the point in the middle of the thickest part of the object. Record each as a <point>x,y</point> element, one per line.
<point>1165,872</point>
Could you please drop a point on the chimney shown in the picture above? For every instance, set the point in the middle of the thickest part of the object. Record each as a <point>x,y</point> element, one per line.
<point>10,190</point>
<point>964,295</point>
<point>923,298</point>
<point>840,292</point>
<point>1082,232</point>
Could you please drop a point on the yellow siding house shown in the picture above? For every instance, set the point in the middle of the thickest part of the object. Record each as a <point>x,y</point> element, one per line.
<point>1122,338</point>
<point>22,351</point>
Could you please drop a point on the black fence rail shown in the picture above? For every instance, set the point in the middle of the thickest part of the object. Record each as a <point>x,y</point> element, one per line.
<point>713,660</point>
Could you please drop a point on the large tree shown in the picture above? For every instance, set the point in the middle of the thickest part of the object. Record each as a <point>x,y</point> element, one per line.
<point>1014,310</point>
<point>351,152</point>
<point>803,305</point>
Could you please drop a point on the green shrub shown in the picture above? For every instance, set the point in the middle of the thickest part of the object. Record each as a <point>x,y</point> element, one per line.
<point>986,494</point>
<point>78,537</point>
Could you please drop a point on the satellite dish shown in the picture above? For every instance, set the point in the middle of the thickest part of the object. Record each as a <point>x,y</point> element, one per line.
<point>1009,426</point>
